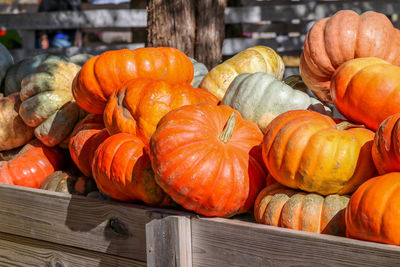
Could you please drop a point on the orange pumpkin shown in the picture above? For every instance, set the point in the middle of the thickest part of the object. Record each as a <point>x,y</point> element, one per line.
<point>207,158</point>
<point>31,165</point>
<point>373,212</point>
<point>122,171</point>
<point>139,104</point>
<point>101,75</point>
<point>307,150</point>
<point>367,90</point>
<point>280,206</point>
<point>342,37</point>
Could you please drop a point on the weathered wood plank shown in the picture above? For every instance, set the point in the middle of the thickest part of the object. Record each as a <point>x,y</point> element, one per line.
<point>98,225</point>
<point>224,242</point>
<point>169,242</point>
<point>21,251</point>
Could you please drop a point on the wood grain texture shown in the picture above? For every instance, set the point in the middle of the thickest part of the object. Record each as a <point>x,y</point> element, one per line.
<point>223,242</point>
<point>98,225</point>
<point>21,251</point>
<point>169,242</point>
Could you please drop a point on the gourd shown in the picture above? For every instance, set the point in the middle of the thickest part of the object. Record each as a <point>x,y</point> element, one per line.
<point>200,70</point>
<point>68,182</point>
<point>6,61</point>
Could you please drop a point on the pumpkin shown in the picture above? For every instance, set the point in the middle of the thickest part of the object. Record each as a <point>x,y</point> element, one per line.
<point>280,206</point>
<point>309,151</point>
<point>342,37</point>
<point>31,165</point>
<point>140,103</point>
<point>270,180</point>
<point>373,212</point>
<point>101,75</point>
<point>200,70</point>
<point>386,147</point>
<point>207,158</point>
<point>83,145</point>
<point>6,61</point>
<point>122,171</point>
<point>13,131</point>
<point>80,59</point>
<point>250,60</point>
<point>359,83</point>
<point>67,182</point>
<point>47,101</point>
<point>260,97</point>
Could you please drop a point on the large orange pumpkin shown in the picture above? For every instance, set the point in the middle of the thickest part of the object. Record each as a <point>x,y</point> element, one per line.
<point>373,212</point>
<point>367,90</point>
<point>31,165</point>
<point>386,148</point>
<point>122,171</point>
<point>280,206</point>
<point>307,150</point>
<point>102,75</point>
<point>344,36</point>
<point>207,158</point>
<point>139,104</point>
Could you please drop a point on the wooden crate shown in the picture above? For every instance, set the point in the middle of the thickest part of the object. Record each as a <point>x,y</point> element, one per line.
<point>43,228</point>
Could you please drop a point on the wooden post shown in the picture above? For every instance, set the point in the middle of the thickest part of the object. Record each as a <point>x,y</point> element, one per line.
<point>169,242</point>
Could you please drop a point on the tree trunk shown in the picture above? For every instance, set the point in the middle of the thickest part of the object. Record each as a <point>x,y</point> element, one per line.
<point>171,23</point>
<point>196,27</point>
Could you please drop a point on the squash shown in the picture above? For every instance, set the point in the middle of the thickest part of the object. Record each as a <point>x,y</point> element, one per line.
<point>373,212</point>
<point>47,101</point>
<point>140,103</point>
<point>363,85</point>
<point>68,182</point>
<point>386,147</point>
<point>6,61</point>
<point>200,70</point>
<point>80,59</point>
<point>31,165</point>
<point>280,206</point>
<point>342,37</point>
<point>260,97</point>
<point>305,150</point>
<point>207,158</point>
<point>13,131</point>
<point>101,75</point>
<point>250,60</point>
<point>122,171</point>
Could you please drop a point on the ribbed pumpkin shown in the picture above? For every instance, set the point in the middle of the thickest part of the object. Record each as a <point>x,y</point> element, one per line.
<point>102,75</point>
<point>13,131</point>
<point>47,101</point>
<point>280,206</point>
<point>31,165</point>
<point>386,147</point>
<point>140,103</point>
<point>373,212</point>
<point>250,60</point>
<point>86,138</point>
<point>367,90</point>
<point>207,158</point>
<point>260,97</point>
<point>306,150</point>
<point>67,182</point>
<point>6,61</point>
<point>344,36</point>
<point>122,171</point>
<point>200,70</point>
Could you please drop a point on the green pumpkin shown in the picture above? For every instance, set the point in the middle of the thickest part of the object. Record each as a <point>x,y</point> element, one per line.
<point>67,182</point>
<point>47,101</point>
<point>260,97</point>
<point>80,59</point>
<point>200,70</point>
<point>6,61</point>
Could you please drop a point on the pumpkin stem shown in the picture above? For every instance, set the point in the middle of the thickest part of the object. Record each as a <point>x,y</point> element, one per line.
<point>345,125</point>
<point>227,133</point>
<point>296,82</point>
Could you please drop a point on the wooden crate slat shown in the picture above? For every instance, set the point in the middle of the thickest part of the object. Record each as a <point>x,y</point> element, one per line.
<point>223,242</point>
<point>102,226</point>
<point>22,251</point>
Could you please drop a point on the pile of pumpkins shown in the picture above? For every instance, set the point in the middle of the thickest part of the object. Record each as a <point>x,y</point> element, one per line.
<point>320,153</point>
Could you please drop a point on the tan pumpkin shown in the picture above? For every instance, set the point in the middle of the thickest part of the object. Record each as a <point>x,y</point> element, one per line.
<point>68,182</point>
